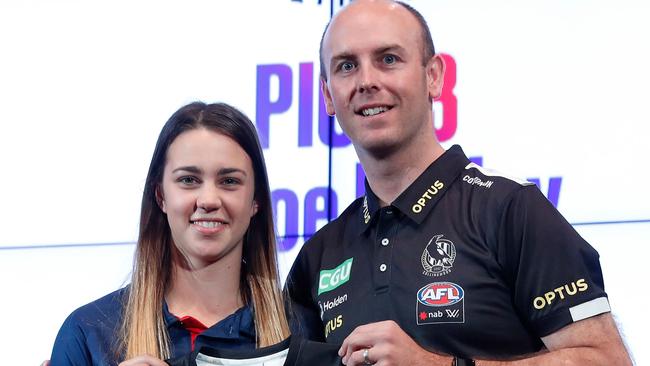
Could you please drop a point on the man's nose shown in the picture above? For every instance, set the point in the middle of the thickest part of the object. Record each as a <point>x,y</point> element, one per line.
<point>367,81</point>
<point>209,198</point>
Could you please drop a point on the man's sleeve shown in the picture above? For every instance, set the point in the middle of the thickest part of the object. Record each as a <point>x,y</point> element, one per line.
<point>555,274</point>
<point>304,314</point>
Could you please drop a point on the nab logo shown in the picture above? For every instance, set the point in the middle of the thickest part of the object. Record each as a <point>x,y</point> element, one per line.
<point>332,278</point>
<point>440,294</point>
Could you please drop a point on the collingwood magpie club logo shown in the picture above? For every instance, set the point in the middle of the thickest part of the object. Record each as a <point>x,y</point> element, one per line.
<point>438,257</point>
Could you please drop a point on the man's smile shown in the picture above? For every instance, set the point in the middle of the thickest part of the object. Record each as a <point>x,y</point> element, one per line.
<point>368,111</point>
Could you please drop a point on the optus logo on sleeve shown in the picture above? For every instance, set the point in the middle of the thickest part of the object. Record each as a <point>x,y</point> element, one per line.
<point>440,302</point>
<point>330,279</point>
<point>564,291</point>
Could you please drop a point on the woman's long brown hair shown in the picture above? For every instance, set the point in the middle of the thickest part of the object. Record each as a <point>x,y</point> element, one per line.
<point>143,329</point>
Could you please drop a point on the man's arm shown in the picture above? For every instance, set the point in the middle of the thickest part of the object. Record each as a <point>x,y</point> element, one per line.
<point>592,341</point>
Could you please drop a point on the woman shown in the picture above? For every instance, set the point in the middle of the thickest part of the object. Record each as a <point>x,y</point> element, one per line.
<point>205,271</point>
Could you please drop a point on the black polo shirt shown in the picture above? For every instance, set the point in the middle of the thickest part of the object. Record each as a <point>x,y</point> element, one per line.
<point>468,262</point>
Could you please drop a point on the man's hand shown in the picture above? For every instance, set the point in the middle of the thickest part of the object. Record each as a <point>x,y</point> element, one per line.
<point>387,345</point>
<point>143,361</point>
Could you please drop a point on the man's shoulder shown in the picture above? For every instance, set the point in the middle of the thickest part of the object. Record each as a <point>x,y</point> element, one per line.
<point>492,182</point>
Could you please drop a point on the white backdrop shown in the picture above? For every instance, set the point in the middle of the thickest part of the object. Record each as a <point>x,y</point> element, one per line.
<point>548,90</point>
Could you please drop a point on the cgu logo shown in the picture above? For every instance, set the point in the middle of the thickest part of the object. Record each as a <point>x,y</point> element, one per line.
<point>332,278</point>
<point>440,294</point>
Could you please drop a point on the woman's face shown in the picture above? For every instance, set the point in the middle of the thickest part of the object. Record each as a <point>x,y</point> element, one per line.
<point>207,193</point>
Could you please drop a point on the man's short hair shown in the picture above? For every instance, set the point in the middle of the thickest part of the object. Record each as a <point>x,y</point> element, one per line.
<point>428,51</point>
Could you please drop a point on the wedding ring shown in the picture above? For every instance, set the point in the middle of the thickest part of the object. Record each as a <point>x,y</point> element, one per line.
<point>366,360</point>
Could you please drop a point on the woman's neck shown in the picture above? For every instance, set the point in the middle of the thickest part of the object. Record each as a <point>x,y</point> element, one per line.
<point>208,294</point>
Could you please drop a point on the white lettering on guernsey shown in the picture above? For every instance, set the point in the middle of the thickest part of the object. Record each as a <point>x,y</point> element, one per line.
<point>453,313</point>
<point>332,278</point>
<point>477,181</point>
<point>494,173</point>
<point>331,304</point>
<point>366,212</point>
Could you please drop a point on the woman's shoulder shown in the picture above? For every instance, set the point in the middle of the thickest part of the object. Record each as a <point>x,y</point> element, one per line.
<point>106,309</point>
<point>89,333</point>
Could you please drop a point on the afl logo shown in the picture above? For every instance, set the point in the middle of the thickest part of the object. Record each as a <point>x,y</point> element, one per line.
<point>438,256</point>
<point>440,294</point>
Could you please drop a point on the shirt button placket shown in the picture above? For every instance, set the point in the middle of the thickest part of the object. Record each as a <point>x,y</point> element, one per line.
<point>383,249</point>
<point>382,262</point>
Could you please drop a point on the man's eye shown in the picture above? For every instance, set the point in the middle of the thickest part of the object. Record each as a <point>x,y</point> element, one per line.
<point>347,66</point>
<point>390,59</point>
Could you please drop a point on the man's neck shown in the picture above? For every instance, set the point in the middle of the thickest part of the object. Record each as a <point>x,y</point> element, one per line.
<point>391,175</point>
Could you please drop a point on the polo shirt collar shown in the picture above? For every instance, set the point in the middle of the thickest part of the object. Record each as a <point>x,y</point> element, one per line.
<point>369,208</point>
<point>422,195</point>
<point>238,325</point>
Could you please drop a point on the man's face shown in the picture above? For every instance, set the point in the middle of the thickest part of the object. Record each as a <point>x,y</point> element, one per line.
<point>377,84</point>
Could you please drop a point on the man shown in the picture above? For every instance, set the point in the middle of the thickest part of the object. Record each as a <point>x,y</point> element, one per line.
<point>441,258</point>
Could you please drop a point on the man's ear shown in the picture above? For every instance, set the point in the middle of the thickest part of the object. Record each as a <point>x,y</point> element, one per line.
<point>329,104</point>
<point>160,199</point>
<point>435,70</point>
